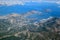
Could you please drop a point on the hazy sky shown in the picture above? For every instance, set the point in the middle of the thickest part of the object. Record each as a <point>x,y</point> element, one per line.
<point>21,2</point>
<point>18,6</point>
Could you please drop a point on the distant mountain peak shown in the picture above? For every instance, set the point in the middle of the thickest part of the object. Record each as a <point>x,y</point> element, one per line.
<point>44,20</point>
<point>14,14</point>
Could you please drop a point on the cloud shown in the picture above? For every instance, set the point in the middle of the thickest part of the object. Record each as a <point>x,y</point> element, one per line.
<point>14,2</point>
<point>11,2</point>
<point>58,2</point>
<point>32,13</point>
<point>22,2</point>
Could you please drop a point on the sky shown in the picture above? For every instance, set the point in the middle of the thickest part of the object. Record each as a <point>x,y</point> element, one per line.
<point>23,6</point>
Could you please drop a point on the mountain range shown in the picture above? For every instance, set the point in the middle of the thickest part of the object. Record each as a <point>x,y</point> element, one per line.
<point>22,27</point>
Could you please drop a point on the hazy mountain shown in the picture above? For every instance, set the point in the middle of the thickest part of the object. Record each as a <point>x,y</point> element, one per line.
<point>15,26</point>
